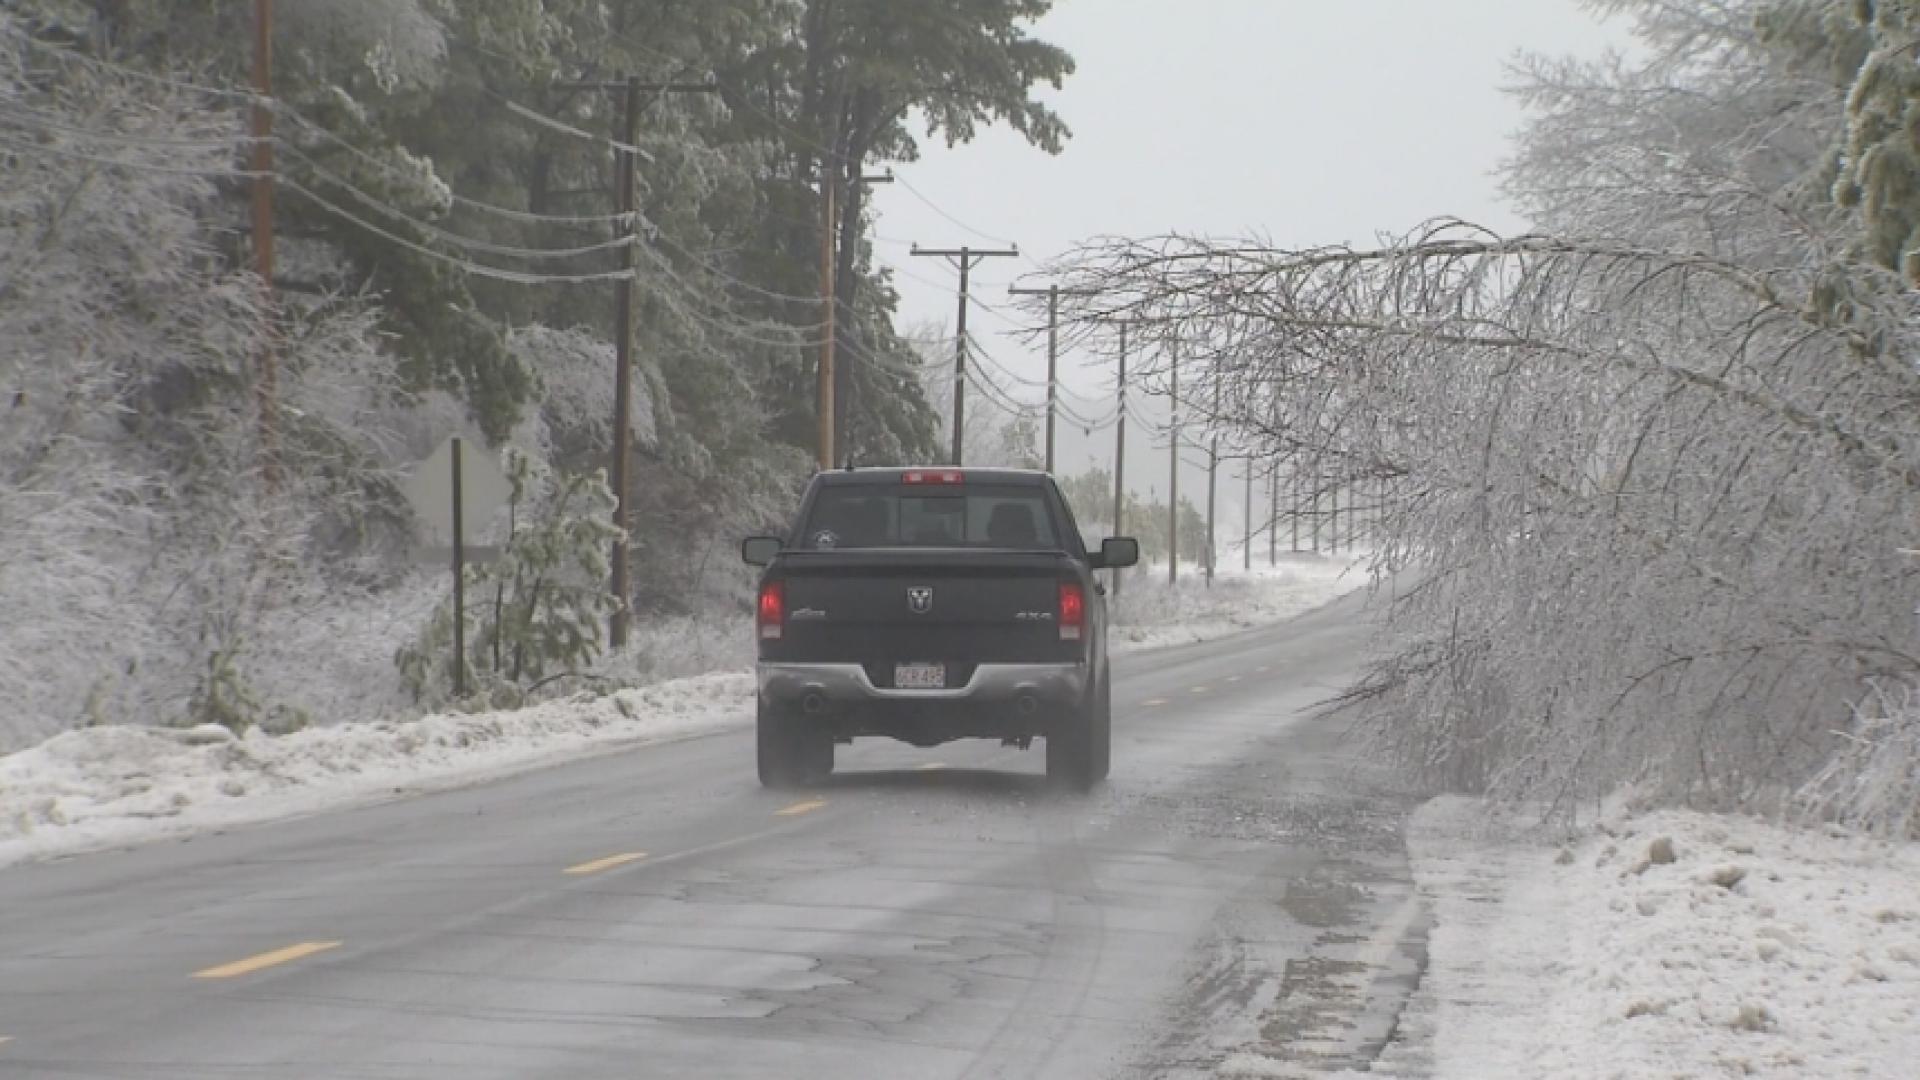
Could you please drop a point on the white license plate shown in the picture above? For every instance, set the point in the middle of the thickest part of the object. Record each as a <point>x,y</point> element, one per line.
<point>920,676</point>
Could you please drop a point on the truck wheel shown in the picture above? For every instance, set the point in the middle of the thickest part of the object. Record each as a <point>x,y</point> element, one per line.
<point>790,751</point>
<point>1100,732</point>
<point>816,750</point>
<point>1080,750</point>
<point>776,749</point>
<point>1070,752</point>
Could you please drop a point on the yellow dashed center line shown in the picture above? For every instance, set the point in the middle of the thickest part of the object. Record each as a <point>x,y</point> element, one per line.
<point>1199,690</point>
<point>266,960</point>
<point>1233,678</point>
<point>932,766</point>
<point>5,1039</point>
<point>1264,668</point>
<point>799,808</point>
<point>607,863</point>
<point>1155,701</point>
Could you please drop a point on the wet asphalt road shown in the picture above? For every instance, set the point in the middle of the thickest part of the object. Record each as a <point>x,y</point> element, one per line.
<point>1237,898</point>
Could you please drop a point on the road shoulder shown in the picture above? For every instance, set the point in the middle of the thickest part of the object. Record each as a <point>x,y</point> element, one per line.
<point>1674,943</point>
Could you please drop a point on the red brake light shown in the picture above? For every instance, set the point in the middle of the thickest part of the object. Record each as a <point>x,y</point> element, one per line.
<point>1073,610</point>
<point>773,610</point>
<point>933,476</point>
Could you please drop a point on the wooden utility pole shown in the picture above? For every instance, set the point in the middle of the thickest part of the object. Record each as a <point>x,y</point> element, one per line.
<point>1173,479</point>
<point>1213,485</point>
<point>1273,516</point>
<point>1293,481</point>
<point>829,228</point>
<point>1120,456</point>
<point>1053,293</point>
<point>267,390</point>
<point>459,579</point>
<point>626,177</point>
<point>1246,561</point>
<point>964,258</point>
<point>1333,520</point>
<point>830,434</point>
<point>625,183</point>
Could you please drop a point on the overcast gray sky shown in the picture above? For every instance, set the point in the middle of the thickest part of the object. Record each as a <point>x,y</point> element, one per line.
<point>1309,121</point>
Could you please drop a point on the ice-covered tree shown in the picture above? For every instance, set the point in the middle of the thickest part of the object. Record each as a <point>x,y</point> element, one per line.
<point>1652,465</point>
<point>144,558</point>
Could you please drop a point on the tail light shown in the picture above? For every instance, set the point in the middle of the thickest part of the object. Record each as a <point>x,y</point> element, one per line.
<point>773,610</point>
<point>933,476</point>
<point>1073,610</point>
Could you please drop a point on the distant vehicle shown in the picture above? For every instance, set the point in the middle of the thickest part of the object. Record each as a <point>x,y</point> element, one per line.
<point>929,605</point>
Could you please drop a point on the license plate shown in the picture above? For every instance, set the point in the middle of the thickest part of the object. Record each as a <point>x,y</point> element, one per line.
<point>920,676</point>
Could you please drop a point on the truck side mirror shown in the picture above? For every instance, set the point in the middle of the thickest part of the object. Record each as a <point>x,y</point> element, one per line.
<point>760,550</point>
<point>1116,553</point>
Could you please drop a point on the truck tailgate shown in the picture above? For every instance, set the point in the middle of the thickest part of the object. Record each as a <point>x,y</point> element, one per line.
<point>953,607</point>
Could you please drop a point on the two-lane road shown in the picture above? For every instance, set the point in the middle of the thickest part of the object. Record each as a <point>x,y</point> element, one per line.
<point>1236,893</point>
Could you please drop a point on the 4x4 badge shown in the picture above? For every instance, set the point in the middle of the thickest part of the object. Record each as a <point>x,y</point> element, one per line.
<point>920,599</point>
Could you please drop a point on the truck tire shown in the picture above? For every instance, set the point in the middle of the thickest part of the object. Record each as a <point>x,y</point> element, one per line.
<point>1100,732</point>
<point>789,751</point>
<point>1076,745</point>
<point>816,752</point>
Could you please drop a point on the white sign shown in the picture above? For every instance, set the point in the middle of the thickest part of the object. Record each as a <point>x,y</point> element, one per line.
<point>484,489</point>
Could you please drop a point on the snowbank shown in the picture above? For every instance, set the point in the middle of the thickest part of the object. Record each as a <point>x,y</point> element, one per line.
<point>113,785</point>
<point>1672,944</point>
<point>1150,614</point>
<point>106,786</point>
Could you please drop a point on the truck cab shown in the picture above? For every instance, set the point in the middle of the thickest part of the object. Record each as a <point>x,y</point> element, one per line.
<point>929,605</point>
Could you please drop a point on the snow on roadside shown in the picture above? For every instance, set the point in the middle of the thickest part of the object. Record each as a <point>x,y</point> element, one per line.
<point>1669,944</point>
<point>1150,614</point>
<point>113,785</point>
<point>116,785</point>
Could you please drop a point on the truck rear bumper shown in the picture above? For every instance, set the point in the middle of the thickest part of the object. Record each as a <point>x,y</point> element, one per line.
<point>834,686</point>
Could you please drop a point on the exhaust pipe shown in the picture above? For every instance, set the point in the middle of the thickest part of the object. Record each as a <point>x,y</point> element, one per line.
<point>1027,704</point>
<point>814,703</point>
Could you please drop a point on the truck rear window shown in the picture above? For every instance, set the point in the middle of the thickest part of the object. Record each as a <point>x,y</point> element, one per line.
<point>1011,518</point>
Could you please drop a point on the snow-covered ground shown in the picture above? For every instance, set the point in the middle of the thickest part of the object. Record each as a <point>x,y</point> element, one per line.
<point>1150,614</point>
<point>106,786</point>
<point>122,784</point>
<point>1669,944</point>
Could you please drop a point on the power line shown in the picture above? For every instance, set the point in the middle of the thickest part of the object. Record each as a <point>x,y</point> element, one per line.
<point>478,269</point>
<point>25,115</point>
<point>283,110</point>
<point>986,357</point>
<point>918,194</point>
<point>564,128</point>
<point>455,239</point>
<point>75,56</point>
<point>123,163</point>
<point>811,143</point>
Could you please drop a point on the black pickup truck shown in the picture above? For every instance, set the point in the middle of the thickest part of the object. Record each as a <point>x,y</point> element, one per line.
<point>929,605</point>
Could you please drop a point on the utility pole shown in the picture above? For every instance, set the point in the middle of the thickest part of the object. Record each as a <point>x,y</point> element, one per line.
<point>830,435</point>
<point>829,228</point>
<point>964,258</point>
<point>266,389</point>
<point>1293,480</point>
<point>626,176</point>
<point>1173,478</point>
<point>1053,293</point>
<point>1273,516</point>
<point>1246,553</point>
<point>1333,521</point>
<point>1120,456</point>
<point>625,182</point>
<point>1314,482</point>
<point>1213,484</point>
